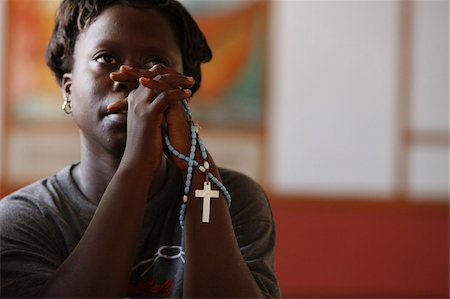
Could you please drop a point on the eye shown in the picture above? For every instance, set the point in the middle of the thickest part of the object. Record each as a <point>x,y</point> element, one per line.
<point>155,61</point>
<point>105,59</point>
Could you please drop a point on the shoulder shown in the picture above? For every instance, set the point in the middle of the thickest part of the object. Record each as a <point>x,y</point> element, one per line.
<point>29,249</point>
<point>26,207</point>
<point>247,196</point>
<point>36,196</point>
<point>239,180</point>
<point>25,200</point>
<point>40,204</point>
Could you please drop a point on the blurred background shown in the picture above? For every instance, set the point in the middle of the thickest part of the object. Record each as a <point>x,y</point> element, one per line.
<point>339,109</point>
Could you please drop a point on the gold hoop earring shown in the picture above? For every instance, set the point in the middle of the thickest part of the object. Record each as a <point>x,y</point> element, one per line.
<point>67,106</point>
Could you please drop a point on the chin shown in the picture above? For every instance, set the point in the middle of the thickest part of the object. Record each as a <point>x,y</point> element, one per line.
<point>117,145</point>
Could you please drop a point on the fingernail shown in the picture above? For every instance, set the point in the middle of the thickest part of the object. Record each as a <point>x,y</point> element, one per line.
<point>190,79</point>
<point>126,67</point>
<point>187,92</point>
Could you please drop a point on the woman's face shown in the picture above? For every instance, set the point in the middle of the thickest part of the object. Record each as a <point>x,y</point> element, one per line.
<point>120,35</point>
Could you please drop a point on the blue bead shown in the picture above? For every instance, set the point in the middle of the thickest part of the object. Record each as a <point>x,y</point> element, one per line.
<point>190,169</point>
<point>192,156</point>
<point>191,163</point>
<point>189,176</point>
<point>188,183</point>
<point>186,190</point>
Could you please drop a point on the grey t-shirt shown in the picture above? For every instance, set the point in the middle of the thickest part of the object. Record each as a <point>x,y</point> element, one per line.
<point>43,222</point>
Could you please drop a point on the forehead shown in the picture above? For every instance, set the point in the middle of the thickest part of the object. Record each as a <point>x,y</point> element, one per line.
<point>130,24</point>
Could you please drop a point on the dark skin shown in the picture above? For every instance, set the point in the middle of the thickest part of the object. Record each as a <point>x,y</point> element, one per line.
<point>122,160</point>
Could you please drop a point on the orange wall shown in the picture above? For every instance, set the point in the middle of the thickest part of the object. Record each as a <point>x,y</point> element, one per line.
<point>344,249</point>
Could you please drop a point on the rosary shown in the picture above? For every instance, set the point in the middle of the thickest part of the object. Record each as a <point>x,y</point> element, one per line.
<point>207,193</point>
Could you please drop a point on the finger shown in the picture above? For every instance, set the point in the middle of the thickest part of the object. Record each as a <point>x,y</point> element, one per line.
<point>162,69</point>
<point>118,106</point>
<point>175,80</point>
<point>160,101</point>
<point>170,97</point>
<point>127,73</point>
<point>122,77</point>
<point>122,105</point>
<point>157,85</point>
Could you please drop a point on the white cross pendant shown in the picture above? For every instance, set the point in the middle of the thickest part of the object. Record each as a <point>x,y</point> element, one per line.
<point>206,194</point>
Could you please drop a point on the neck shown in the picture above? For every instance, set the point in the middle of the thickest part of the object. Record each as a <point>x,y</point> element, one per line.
<point>95,171</point>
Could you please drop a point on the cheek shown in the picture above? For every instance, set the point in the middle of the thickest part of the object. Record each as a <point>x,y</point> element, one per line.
<point>86,100</point>
<point>91,86</point>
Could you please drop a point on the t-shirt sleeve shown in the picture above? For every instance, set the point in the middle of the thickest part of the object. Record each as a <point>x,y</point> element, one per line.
<point>254,229</point>
<point>29,253</point>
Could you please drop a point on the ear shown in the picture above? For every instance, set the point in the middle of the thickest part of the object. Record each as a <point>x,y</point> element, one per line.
<point>66,85</point>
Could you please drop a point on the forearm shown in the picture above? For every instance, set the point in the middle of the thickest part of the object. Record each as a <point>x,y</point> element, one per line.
<point>100,264</point>
<point>214,264</point>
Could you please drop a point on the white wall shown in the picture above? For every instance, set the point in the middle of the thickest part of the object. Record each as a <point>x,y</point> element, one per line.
<point>332,96</point>
<point>429,164</point>
<point>332,100</point>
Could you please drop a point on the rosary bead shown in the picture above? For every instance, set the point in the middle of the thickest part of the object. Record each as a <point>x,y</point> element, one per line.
<point>192,162</point>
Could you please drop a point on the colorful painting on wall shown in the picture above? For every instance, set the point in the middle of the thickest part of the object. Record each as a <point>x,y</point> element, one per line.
<point>32,92</point>
<point>232,88</point>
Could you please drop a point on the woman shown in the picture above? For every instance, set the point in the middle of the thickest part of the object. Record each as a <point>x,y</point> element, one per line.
<point>126,220</point>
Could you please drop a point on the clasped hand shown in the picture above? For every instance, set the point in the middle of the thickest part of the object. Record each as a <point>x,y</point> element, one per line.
<point>154,102</point>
